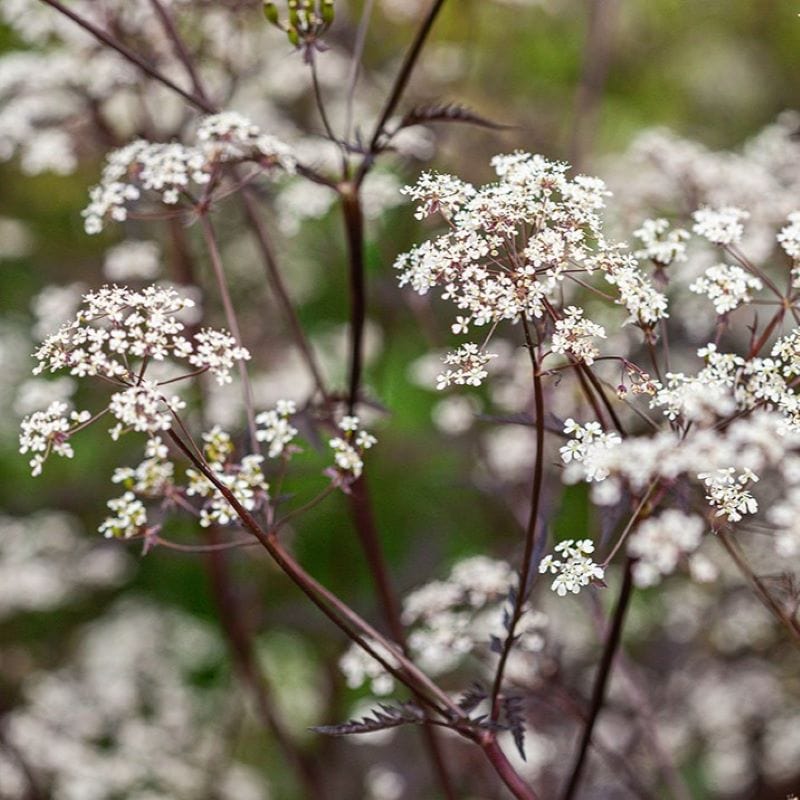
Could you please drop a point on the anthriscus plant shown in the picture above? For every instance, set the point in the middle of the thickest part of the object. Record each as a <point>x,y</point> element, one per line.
<point>640,347</point>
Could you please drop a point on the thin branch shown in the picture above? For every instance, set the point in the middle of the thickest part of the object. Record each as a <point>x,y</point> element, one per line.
<point>400,83</point>
<point>790,623</point>
<point>130,55</point>
<point>355,65</point>
<point>354,232</point>
<point>530,533</point>
<point>181,51</point>
<point>347,620</point>
<point>233,323</point>
<point>601,681</point>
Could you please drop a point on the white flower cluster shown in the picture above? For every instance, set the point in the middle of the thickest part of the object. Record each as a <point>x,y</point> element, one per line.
<point>130,517</point>
<point>789,236</point>
<point>450,619</point>
<point>660,244</point>
<point>45,432</point>
<point>153,477</point>
<point>573,335</point>
<point>173,170</point>
<point>470,367</point>
<point>349,448</point>
<point>245,480</point>
<point>584,448</point>
<point>728,493</point>
<point>574,569</point>
<point>127,717</point>
<point>727,286</point>
<point>275,428</point>
<point>720,226</point>
<point>116,335</point>
<point>512,243</point>
<point>659,543</point>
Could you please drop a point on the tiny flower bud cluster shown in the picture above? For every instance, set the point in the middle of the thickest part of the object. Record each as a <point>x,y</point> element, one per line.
<point>275,428</point>
<point>727,286</point>
<point>574,569</point>
<point>659,543</point>
<point>349,449</point>
<point>470,367</point>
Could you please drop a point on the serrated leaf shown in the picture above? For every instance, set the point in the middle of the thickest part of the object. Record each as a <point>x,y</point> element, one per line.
<point>447,112</point>
<point>472,697</point>
<point>515,721</point>
<point>379,719</point>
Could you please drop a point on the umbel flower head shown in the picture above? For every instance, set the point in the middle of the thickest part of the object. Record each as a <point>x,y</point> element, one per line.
<point>116,336</point>
<point>511,249</point>
<point>171,171</point>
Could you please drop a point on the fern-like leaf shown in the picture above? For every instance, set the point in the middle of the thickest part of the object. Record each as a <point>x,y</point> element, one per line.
<point>379,719</point>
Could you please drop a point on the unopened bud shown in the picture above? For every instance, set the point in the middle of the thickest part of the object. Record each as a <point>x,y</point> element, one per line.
<point>327,11</point>
<point>271,13</point>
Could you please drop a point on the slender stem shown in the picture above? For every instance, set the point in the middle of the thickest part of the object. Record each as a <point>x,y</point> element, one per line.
<point>347,620</point>
<point>130,55</point>
<point>181,51</point>
<point>354,232</point>
<point>320,103</point>
<point>631,522</point>
<point>530,533</point>
<point>233,323</point>
<point>278,287</point>
<point>790,623</point>
<point>502,766</point>
<point>400,83</point>
<point>355,65</point>
<point>601,681</point>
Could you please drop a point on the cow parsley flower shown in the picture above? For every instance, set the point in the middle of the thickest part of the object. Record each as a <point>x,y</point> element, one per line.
<point>129,520</point>
<point>349,449</point>
<point>575,567</point>
<point>275,428</point>
<point>789,236</point>
<point>660,244</point>
<point>117,335</point>
<point>245,480</point>
<point>171,171</point>
<point>726,491</point>
<point>584,452</point>
<point>511,244</point>
<point>721,226</point>
<point>727,286</point>
<point>470,367</point>
<point>45,432</point>
<point>573,335</point>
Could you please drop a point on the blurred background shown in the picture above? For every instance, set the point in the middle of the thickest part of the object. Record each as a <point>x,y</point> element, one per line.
<point>115,681</point>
